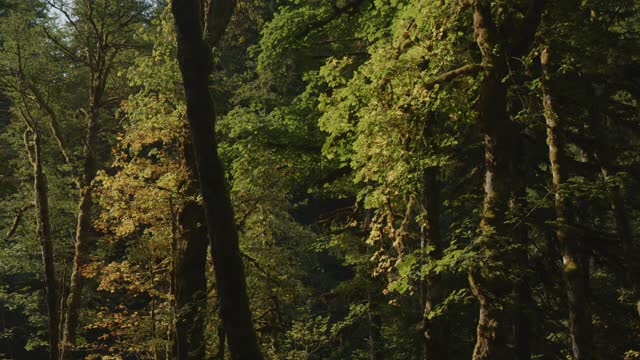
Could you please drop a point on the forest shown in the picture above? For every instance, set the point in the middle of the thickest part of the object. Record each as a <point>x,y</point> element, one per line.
<point>319,179</point>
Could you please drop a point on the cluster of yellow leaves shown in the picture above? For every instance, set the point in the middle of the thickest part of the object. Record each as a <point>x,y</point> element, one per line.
<point>125,276</point>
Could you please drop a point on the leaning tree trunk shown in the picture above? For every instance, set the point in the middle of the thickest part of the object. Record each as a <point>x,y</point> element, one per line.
<point>43,229</point>
<point>574,270</point>
<point>194,57</point>
<point>496,127</point>
<point>189,271</point>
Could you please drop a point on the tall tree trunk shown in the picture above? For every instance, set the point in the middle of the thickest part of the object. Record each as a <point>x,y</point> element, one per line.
<point>190,279</point>
<point>574,269</point>
<point>496,127</point>
<point>43,229</point>
<point>194,57</point>
<point>84,235</point>
<point>433,331</point>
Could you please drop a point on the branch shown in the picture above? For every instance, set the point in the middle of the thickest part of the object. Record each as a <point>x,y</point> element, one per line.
<point>66,14</point>
<point>53,123</point>
<point>25,138</point>
<point>64,49</point>
<point>16,221</point>
<point>448,76</point>
<point>260,268</point>
<point>216,19</point>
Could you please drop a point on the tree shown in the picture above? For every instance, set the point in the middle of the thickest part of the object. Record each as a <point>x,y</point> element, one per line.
<point>99,34</point>
<point>194,57</point>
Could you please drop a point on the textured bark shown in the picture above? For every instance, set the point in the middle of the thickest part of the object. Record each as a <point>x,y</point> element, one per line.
<point>43,218</point>
<point>194,58</point>
<point>574,269</point>
<point>84,235</point>
<point>189,271</point>
<point>43,231</point>
<point>496,127</point>
<point>499,135</point>
<point>219,355</point>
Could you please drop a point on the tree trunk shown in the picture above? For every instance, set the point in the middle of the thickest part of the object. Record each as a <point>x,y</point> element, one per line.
<point>194,57</point>
<point>496,127</point>
<point>190,279</point>
<point>84,235</point>
<point>43,229</point>
<point>574,270</point>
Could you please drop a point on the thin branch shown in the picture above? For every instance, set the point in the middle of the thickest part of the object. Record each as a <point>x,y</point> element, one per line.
<point>66,14</point>
<point>64,49</point>
<point>27,146</point>
<point>53,123</point>
<point>260,268</point>
<point>16,221</point>
<point>448,76</point>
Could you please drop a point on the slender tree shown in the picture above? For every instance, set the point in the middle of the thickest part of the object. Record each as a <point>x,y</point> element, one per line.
<point>573,272</point>
<point>102,33</point>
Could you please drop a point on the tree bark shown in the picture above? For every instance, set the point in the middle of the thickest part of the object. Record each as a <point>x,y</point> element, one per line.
<point>498,134</point>
<point>189,268</point>
<point>574,270</point>
<point>194,58</point>
<point>84,239</point>
<point>43,230</point>
<point>219,355</point>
